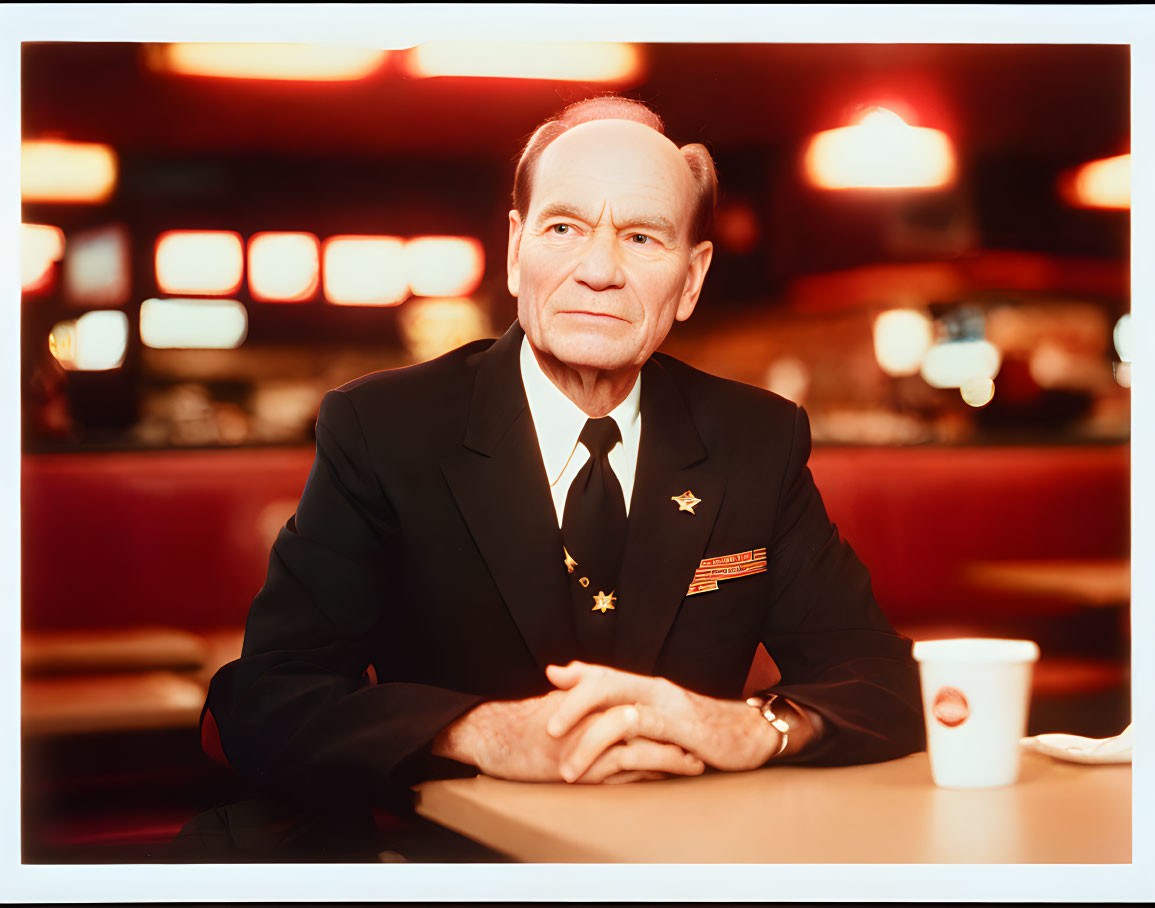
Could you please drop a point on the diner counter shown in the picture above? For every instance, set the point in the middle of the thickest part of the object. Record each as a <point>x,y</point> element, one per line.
<point>880,813</point>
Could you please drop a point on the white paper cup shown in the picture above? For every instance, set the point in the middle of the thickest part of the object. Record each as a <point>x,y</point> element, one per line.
<point>975,694</point>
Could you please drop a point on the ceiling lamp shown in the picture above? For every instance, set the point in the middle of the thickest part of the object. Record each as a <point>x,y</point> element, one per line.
<point>286,62</point>
<point>59,171</point>
<point>880,152</point>
<point>586,62</point>
<point>1105,183</point>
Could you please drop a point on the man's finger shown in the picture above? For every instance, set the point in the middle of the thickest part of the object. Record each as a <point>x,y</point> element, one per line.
<point>642,755</point>
<point>634,775</point>
<point>599,734</point>
<point>565,676</point>
<point>598,688</point>
<point>602,732</point>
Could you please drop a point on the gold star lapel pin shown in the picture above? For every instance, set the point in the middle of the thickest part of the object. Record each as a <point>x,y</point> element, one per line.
<point>602,602</point>
<point>686,501</point>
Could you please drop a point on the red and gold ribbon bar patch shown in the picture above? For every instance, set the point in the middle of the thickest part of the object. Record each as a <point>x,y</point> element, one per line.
<point>726,567</point>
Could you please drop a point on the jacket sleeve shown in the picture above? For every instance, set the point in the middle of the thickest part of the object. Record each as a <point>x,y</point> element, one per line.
<point>836,651</point>
<point>297,713</point>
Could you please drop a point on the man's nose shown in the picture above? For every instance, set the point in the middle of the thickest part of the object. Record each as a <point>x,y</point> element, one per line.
<point>600,266</point>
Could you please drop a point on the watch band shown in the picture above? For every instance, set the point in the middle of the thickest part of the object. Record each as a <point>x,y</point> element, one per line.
<point>765,706</point>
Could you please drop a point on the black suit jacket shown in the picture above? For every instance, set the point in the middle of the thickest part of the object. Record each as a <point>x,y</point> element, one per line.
<point>426,545</point>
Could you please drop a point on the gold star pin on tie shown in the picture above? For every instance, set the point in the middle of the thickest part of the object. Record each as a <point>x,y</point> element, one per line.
<point>686,501</point>
<point>602,602</point>
<point>570,564</point>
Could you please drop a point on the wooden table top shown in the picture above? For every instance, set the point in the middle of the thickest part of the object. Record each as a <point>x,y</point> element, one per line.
<point>890,812</point>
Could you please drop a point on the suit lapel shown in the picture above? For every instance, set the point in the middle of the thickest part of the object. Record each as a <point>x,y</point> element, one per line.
<point>499,483</point>
<point>664,544</point>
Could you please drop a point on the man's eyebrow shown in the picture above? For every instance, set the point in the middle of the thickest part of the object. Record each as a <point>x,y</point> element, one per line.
<point>649,222</point>
<point>561,210</point>
<point>656,223</point>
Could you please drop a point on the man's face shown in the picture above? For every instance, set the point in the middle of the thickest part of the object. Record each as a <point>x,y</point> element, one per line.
<point>603,263</point>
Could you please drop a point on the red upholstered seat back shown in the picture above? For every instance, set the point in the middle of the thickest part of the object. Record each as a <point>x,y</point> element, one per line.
<point>182,538</point>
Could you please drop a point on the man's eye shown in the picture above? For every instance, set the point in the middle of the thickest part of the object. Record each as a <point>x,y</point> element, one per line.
<point>640,239</point>
<point>560,229</point>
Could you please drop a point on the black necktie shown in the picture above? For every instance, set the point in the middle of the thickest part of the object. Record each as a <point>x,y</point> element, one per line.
<point>594,534</point>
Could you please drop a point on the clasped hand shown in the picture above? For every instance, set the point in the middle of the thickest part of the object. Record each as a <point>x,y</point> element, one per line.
<point>605,725</point>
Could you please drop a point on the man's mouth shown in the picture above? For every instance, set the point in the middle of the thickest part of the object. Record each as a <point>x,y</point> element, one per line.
<point>587,313</point>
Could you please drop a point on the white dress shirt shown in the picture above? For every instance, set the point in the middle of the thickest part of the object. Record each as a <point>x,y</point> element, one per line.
<point>559,422</point>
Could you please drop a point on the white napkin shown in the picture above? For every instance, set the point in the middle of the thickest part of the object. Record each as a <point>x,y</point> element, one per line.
<point>1083,750</point>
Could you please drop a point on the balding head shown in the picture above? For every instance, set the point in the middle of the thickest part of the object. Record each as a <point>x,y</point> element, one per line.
<point>613,107</point>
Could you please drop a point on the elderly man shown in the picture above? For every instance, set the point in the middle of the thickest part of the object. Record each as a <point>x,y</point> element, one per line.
<point>552,556</point>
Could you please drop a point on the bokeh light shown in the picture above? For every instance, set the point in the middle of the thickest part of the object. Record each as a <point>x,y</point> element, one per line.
<point>880,152</point>
<point>901,339</point>
<point>57,171</point>
<point>430,327</point>
<point>208,262</point>
<point>284,267</point>
<point>977,392</point>
<point>41,247</point>
<point>586,62</point>
<point>1105,183</point>
<point>297,62</point>
<point>95,342</point>
<point>203,324</point>
<point>951,364</point>
<point>1122,337</point>
<point>444,265</point>
<point>364,270</point>
<point>96,267</point>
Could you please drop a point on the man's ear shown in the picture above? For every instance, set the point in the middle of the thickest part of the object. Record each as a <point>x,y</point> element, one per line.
<point>700,258</point>
<point>513,255</point>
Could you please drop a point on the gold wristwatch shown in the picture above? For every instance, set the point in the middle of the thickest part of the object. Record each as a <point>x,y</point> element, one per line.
<point>766,707</point>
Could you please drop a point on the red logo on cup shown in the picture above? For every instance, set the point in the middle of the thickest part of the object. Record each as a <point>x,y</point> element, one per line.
<point>950,707</point>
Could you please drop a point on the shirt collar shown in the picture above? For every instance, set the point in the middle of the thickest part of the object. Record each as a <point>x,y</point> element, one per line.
<point>559,421</point>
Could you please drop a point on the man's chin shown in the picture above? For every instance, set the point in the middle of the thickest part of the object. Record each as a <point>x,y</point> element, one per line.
<point>593,351</point>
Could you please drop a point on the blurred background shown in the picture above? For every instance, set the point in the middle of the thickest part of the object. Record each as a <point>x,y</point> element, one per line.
<point>924,245</point>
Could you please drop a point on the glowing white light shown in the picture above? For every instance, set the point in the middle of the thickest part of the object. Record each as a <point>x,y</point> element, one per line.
<point>96,267</point>
<point>444,265</point>
<point>193,324</point>
<point>58,171</point>
<point>901,339</point>
<point>881,151</point>
<point>284,267</point>
<point>41,247</point>
<point>199,261</point>
<point>1102,184</point>
<point>365,270</point>
<point>297,62</point>
<point>977,392</point>
<point>587,62</point>
<point>1122,337</point>
<point>950,364</point>
<point>95,342</point>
